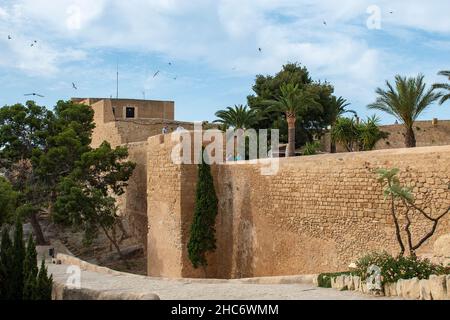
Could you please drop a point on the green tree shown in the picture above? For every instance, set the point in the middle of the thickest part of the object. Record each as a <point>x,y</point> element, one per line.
<point>8,201</point>
<point>444,86</point>
<point>337,108</point>
<point>38,148</point>
<point>369,133</point>
<point>310,121</point>
<point>406,101</point>
<point>202,236</point>
<point>87,196</point>
<point>19,275</point>
<point>345,132</point>
<point>18,252</point>
<point>30,271</point>
<point>69,136</point>
<point>291,102</point>
<point>357,136</point>
<point>44,284</point>
<point>6,267</point>
<point>22,129</point>
<point>238,117</point>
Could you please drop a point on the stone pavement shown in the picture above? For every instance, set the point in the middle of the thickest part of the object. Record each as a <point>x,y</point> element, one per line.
<point>202,290</point>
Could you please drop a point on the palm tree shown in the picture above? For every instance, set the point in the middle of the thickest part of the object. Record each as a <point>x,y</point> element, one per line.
<point>337,109</point>
<point>238,117</point>
<point>345,132</point>
<point>369,133</point>
<point>444,86</point>
<point>406,102</point>
<point>291,101</point>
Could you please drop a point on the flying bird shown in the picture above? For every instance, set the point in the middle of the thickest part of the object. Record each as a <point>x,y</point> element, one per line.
<point>9,38</point>
<point>156,73</point>
<point>324,23</point>
<point>170,63</point>
<point>34,94</point>
<point>175,78</point>
<point>74,86</point>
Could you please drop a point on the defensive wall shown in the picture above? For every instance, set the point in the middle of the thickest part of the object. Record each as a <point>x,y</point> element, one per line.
<point>317,214</point>
<point>428,133</point>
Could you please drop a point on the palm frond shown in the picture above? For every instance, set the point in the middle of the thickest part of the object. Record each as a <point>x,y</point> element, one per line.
<point>406,100</point>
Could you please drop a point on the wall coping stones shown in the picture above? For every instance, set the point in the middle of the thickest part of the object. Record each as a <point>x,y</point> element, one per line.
<point>434,288</point>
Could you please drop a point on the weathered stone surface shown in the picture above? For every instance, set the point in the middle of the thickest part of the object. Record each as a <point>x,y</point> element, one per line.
<point>441,246</point>
<point>62,292</point>
<point>409,288</point>
<point>448,287</point>
<point>333,283</point>
<point>390,289</point>
<point>326,211</point>
<point>425,292</point>
<point>438,287</point>
<point>356,283</point>
<point>348,282</point>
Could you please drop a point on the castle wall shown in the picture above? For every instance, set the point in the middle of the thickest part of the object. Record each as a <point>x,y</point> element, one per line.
<point>133,204</point>
<point>426,133</point>
<point>317,214</point>
<point>117,131</point>
<point>145,109</point>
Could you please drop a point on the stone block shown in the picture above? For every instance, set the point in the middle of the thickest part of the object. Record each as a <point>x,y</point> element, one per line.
<point>348,282</point>
<point>425,293</point>
<point>356,283</point>
<point>340,282</point>
<point>390,289</point>
<point>438,287</point>
<point>410,288</point>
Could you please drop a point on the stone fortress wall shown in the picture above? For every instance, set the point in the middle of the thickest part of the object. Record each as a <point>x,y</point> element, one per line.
<point>317,214</point>
<point>427,134</point>
<point>112,125</point>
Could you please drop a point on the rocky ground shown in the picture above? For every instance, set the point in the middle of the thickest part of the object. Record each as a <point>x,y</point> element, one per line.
<point>100,252</point>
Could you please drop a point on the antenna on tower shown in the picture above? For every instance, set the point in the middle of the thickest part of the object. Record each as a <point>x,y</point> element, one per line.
<point>117,81</point>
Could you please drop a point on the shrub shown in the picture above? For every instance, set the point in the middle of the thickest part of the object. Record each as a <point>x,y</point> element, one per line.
<point>311,148</point>
<point>20,278</point>
<point>396,268</point>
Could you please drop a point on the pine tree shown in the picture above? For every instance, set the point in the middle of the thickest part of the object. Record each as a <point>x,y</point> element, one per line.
<point>44,284</point>
<point>6,265</point>
<point>18,256</point>
<point>30,271</point>
<point>202,237</point>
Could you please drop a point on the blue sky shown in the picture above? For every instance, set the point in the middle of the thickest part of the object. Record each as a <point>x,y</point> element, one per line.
<point>213,48</point>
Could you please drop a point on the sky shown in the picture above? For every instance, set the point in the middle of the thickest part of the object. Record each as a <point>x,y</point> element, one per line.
<point>206,51</point>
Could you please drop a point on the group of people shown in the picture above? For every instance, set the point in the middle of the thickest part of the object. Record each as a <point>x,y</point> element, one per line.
<point>165,129</point>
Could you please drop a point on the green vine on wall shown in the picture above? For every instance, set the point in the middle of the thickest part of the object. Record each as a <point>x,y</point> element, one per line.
<point>202,237</point>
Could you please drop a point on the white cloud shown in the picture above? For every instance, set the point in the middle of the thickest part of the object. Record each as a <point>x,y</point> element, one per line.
<point>222,35</point>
